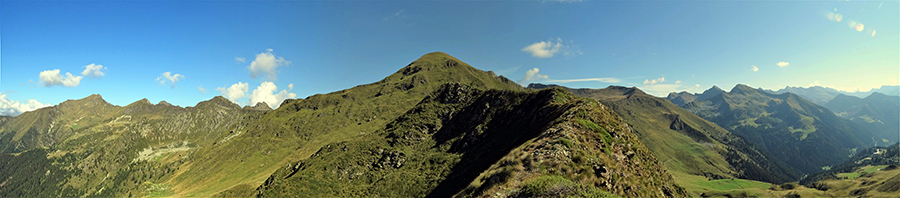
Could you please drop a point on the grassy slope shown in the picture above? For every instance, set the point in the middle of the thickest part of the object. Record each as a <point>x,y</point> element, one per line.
<point>691,148</point>
<point>298,129</point>
<point>97,145</point>
<point>491,140</point>
<point>870,181</point>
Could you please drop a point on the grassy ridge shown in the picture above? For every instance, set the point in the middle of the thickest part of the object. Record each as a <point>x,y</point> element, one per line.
<point>686,143</point>
<point>299,128</point>
<point>489,140</point>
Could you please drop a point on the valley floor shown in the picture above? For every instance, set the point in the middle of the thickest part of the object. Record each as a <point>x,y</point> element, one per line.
<point>869,181</point>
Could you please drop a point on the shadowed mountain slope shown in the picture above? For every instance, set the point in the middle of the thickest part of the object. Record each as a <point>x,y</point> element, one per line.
<point>686,143</point>
<point>787,127</point>
<point>462,139</point>
<point>465,141</point>
<point>298,128</point>
<point>877,113</point>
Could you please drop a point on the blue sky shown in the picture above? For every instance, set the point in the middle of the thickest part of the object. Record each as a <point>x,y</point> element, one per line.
<point>271,50</point>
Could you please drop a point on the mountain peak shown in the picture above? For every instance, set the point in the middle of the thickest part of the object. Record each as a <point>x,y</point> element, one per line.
<point>164,103</point>
<point>92,101</point>
<point>712,91</point>
<point>140,102</point>
<point>541,86</point>
<point>436,55</point>
<point>627,92</point>
<point>93,98</point>
<point>261,106</point>
<point>436,60</point>
<point>742,89</point>
<point>219,98</point>
<point>876,94</point>
<point>220,101</point>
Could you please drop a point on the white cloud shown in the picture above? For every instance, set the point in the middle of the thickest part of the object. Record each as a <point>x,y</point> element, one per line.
<point>546,49</point>
<point>14,108</point>
<point>606,80</point>
<point>654,81</point>
<point>264,93</point>
<point>532,75</point>
<point>93,70</point>
<point>754,68</point>
<point>783,64</point>
<point>266,63</point>
<point>169,76</point>
<point>235,92</point>
<point>657,88</point>
<point>202,90</point>
<point>815,83</point>
<point>52,78</point>
<point>240,59</point>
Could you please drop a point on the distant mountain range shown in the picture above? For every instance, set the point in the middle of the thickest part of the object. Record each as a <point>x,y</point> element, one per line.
<point>800,133</point>
<point>437,127</point>
<point>877,113</point>
<point>90,147</point>
<point>821,95</point>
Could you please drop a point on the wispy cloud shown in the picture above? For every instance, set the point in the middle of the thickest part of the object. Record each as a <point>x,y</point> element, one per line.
<point>172,78</point>
<point>53,78</point>
<point>93,70</point>
<point>606,80</point>
<point>240,59</point>
<point>507,71</point>
<point>783,64</point>
<point>400,14</point>
<point>532,75</point>
<point>562,1</point>
<point>266,64</point>
<point>754,68</point>
<point>549,48</point>
<point>202,90</point>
